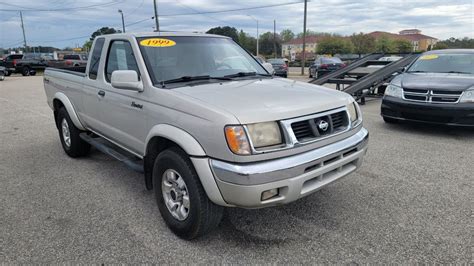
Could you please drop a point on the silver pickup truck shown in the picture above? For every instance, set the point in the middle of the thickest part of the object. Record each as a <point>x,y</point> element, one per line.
<point>206,123</point>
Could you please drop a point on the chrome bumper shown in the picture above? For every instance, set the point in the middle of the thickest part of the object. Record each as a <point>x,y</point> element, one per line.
<point>242,185</point>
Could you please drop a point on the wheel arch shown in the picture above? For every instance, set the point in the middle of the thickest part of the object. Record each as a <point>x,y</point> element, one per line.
<point>61,100</point>
<point>162,137</point>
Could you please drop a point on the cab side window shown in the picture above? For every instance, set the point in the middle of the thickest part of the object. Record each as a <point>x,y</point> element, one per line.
<point>120,57</point>
<point>95,59</point>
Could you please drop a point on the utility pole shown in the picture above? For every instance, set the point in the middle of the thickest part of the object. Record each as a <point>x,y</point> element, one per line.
<point>157,24</point>
<point>274,38</point>
<point>304,39</point>
<point>23,29</point>
<point>258,36</point>
<point>123,22</point>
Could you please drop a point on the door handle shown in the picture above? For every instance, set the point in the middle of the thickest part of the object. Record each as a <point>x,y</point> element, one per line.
<point>101,93</point>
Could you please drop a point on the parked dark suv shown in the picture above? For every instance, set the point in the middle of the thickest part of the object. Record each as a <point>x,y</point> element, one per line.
<point>26,64</point>
<point>437,88</point>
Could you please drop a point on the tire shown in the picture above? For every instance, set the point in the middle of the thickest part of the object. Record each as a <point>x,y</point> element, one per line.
<point>8,73</point>
<point>25,71</point>
<point>72,143</point>
<point>389,120</point>
<point>173,167</point>
<point>2,76</point>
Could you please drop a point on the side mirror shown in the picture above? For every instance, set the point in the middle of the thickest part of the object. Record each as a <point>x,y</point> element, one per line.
<point>126,80</point>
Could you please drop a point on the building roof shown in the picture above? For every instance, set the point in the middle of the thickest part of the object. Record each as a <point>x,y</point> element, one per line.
<point>409,37</point>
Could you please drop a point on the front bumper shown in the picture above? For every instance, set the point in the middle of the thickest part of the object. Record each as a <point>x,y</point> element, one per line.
<point>297,176</point>
<point>455,114</point>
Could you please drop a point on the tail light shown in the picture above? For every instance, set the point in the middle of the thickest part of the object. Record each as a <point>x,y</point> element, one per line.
<point>285,66</point>
<point>14,62</point>
<point>324,66</point>
<point>68,62</point>
<point>343,65</point>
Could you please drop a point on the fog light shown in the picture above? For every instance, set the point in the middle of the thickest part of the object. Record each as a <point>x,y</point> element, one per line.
<point>268,194</point>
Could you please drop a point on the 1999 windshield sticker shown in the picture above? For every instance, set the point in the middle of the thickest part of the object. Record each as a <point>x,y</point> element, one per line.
<point>429,57</point>
<point>158,42</point>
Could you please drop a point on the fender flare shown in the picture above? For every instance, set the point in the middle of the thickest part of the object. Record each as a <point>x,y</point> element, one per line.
<point>198,157</point>
<point>187,142</point>
<point>69,108</point>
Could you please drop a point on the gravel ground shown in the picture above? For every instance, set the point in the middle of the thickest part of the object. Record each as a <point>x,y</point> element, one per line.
<point>412,201</point>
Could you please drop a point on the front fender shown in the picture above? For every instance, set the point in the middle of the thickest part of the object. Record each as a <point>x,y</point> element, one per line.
<point>187,142</point>
<point>70,109</point>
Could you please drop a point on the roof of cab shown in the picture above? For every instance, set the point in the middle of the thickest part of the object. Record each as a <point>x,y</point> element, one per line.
<point>165,34</point>
<point>451,51</point>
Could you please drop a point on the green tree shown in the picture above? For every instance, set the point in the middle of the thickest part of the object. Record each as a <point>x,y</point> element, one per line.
<point>363,43</point>
<point>334,45</point>
<point>287,35</point>
<point>247,42</point>
<point>104,31</point>
<point>266,44</point>
<point>440,46</point>
<point>403,46</point>
<point>315,33</point>
<point>384,45</point>
<point>87,45</point>
<point>225,31</point>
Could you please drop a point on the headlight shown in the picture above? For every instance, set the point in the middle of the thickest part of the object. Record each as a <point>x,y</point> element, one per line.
<point>468,96</point>
<point>237,140</point>
<point>394,91</point>
<point>264,134</point>
<point>353,113</point>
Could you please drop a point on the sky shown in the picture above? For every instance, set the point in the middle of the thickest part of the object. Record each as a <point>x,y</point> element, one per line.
<point>68,23</point>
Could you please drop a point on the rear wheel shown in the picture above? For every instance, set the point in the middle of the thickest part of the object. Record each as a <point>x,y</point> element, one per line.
<point>2,76</point>
<point>181,199</point>
<point>72,143</point>
<point>25,71</point>
<point>7,73</point>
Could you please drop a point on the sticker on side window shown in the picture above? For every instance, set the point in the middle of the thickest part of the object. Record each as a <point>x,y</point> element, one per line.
<point>157,42</point>
<point>429,57</point>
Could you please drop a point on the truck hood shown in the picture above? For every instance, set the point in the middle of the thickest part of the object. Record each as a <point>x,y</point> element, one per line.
<point>260,100</point>
<point>444,81</point>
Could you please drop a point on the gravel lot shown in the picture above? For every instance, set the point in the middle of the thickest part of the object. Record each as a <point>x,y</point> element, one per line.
<point>412,201</point>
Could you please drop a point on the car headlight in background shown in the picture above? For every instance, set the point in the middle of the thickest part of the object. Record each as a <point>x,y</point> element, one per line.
<point>394,91</point>
<point>264,134</point>
<point>468,96</point>
<point>353,113</point>
<point>237,140</point>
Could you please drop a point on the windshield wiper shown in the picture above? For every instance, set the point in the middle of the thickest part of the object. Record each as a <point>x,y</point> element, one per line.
<point>456,72</point>
<point>192,78</point>
<point>417,71</point>
<point>245,74</point>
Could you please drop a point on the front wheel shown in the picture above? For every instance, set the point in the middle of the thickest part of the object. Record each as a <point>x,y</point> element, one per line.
<point>181,199</point>
<point>2,76</point>
<point>7,73</point>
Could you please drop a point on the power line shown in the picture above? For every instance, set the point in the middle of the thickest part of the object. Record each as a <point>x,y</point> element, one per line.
<point>197,12</point>
<point>57,9</point>
<point>232,10</point>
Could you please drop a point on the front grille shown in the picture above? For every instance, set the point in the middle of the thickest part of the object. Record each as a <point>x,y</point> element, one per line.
<point>431,96</point>
<point>307,130</point>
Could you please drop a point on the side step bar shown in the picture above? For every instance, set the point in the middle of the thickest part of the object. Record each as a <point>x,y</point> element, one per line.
<point>109,148</point>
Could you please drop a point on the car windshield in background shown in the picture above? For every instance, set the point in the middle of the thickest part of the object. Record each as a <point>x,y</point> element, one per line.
<point>276,61</point>
<point>179,57</point>
<point>444,63</point>
<point>331,61</point>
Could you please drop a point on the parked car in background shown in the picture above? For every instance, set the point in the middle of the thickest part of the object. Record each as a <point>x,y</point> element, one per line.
<point>324,65</point>
<point>265,64</point>
<point>280,66</point>
<point>26,64</point>
<point>437,88</point>
<point>206,123</point>
<point>75,60</point>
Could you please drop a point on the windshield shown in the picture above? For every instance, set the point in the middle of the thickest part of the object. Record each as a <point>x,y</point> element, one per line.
<point>276,61</point>
<point>174,57</point>
<point>444,63</point>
